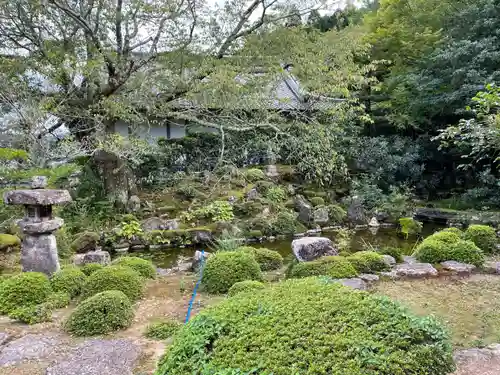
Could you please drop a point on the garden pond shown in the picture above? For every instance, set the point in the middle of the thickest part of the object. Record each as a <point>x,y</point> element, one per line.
<point>361,240</point>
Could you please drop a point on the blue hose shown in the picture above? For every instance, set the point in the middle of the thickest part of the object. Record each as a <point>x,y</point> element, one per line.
<point>195,290</point>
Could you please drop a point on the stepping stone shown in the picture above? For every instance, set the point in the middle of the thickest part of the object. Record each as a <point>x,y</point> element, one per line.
<point>99,357</point>
<point>354,283</point>
<point>457,267</point>
<point>369,278</point>
<point>28,348</point>
<point>416,270</point>
<point>492,267</point>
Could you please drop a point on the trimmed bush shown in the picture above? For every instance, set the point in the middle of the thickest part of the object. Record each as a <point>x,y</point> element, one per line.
<point>268,259</point>
<point>254,174</point>
<point>100,314</point>
<point>119,278</point>
<point>335,267</point>
<point>454,230</point>
<point>8,241</point>
<point>24,289</point>
<point>394,252</point>
<point>143,267</point>
<point>311,327</point>
<point>89,268</point>
<point>245,286</point>
<point>368,262</point>
<point>444,236</point>
<point>58,300</point>
<point>69,280</point>
<point>286,223</point>
<point>224,269</point>
<point>434,251</point>
<point>33,314</point>
<point>162,330</point>
<point>484,237</point>
<point>466,252</point>
<point>317,201</point>
<point>85,242</point>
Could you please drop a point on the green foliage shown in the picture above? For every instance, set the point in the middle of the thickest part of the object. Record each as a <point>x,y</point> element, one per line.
<point>466,252</point>
<point>263,186</point>
<point>275,194</point>
<point>224,269</point>
<point>286,223</point>
<point>162,330</point>
<point>101,314</point>
<point>226,242</point>
<point>89,268</point>
<point>394,252</point>
<point>336,214</point>
<point>484,237</point>
<point>143,267</point>
<point>69,280</point>
<point>245,286</point>
<point>32,314</point>
<point>335,267</point>
<point>8,241</point>
<point>64,242</point>
<point>258,333</point>
<point>254,174</point>
<point>129,229</point>
<point>446,236</point>
<point>85,242</point>
<point>58,300</point>
<point>7,154</point>
<point>217,211</point>
<point>24,289</point>
<point>408,226</point>
<point>368,262</point>
<point>119,278</point>
<point>268,259</point>
<point>317,201</point>
<point>454,230</point>
<point>255,234</point>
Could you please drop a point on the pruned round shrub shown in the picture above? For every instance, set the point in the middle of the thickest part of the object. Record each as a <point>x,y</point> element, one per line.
<point>162,330</point>
<point>484,237</point>
<point>224,269</point>
<point>457,231</point>
<point>245,286</point>
<point>58,300</point>
<point>89,268</point>
<point>33,314</point>
<point>394,252</point>
<point>69,280</point>
<point>309,326</point>
<point>466,252</point>
<point>254,174</point>
<point>286,223</point>
<point>368,262</point>
<point>317,201</point>
<point>102,313</point>
<point>434,251</point>
<point>143,267</point>
<point>444,236</point>
<point>119,278</point>
<point>335,267</point>
<point>268,259</point>
<point>85,242</point>
<point>24,289</point>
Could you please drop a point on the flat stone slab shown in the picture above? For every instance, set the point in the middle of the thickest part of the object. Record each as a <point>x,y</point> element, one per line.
<point>355,283</point>
<point>99,357</point>
<point>492,267</point>
<point>369,278</point>
<point>48,226</point>
<point>415,270</point>
<point>37,197</point>
<point>457,267</point>
<point>31,347</point>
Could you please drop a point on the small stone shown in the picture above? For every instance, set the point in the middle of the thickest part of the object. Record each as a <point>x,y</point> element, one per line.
<point>374,223</point>
<point>162,272</point>
<point>271,238</point>
<point>98,256</point>
<point>392,275</point>
<point>310,248</point>
<point>39,182</point>
<point>361,227</point>
<point>252,194</point>
<point>4,336</point>
<point>198,259</point>
<point>202,236</point>
<point>416,270</point>
<point>369,278</point>
<point>389,260</point>
<point>458,268</point>
<point>78,259</point>
<point>299,235</point>
<point>409,259</point>
<point>387,225</point>
<point>271,171</point>
<point>312,232</point>
<point>354,283</point>
<point>492,267</point>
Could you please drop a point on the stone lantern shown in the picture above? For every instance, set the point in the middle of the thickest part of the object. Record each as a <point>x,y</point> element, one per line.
<point>39,248</point>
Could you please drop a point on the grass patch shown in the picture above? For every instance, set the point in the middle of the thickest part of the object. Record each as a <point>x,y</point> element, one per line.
<point>470,308</point>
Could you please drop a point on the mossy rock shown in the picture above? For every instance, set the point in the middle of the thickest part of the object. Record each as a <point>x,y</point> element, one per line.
<point>85,242</point>
<point>9,242</point>
<point>254,174</point>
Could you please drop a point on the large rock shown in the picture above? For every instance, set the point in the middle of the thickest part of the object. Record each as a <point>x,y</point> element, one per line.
<point>321,215</point>
<point>99,357</point>
<point>310,248</point>
<point>4,336</point>
<point>304,208</point>
<point>154,223</point>
<point>415,270</point>
<point>98,256</point>
<point>271,171</point>
<point>492,267</point>
<point>374,223</point>
<point>200,236</point>
<point>458,268</point>
<point>356,213</point>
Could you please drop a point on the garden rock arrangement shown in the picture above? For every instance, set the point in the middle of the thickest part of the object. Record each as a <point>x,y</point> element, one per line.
<point>310,248</point>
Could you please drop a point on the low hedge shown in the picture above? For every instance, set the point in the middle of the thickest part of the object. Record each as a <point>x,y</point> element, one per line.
<point>484,237</point>
<point>162,330</point>
<point>336,267</point>
<point>368,262</point>
<point>100,314</point>
<point>143,267</point>
<point>224,269</point>
<point>69,280</point>
<point>434,251</point>
<point>245,286</point>
<point>89,268</point>
<point>119,278</point>
<point>24,289</point>
<point>268,259</point>
<point>33,314</point>
<point>309,326</point>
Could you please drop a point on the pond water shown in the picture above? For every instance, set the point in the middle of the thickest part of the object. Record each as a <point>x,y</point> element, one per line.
<point>362,240</point>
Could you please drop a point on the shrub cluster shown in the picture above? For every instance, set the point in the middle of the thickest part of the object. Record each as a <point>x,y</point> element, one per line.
<point>484,237</point>
<point>224,269</point>
<point>245,286</point>
<point>119,278</point>
<point>100,314</point>
<point>69,280</point>
<point>368,262</point>
<point>299,327</point>
<point>89,268</point>
<point>254,174</point>
<point>58,300</point>
<point>143,267</point>
<point>268,259</point>
<point>22,290</point>
<point>33,314</point>
<point>336,267</point>
<point>162,330</point>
